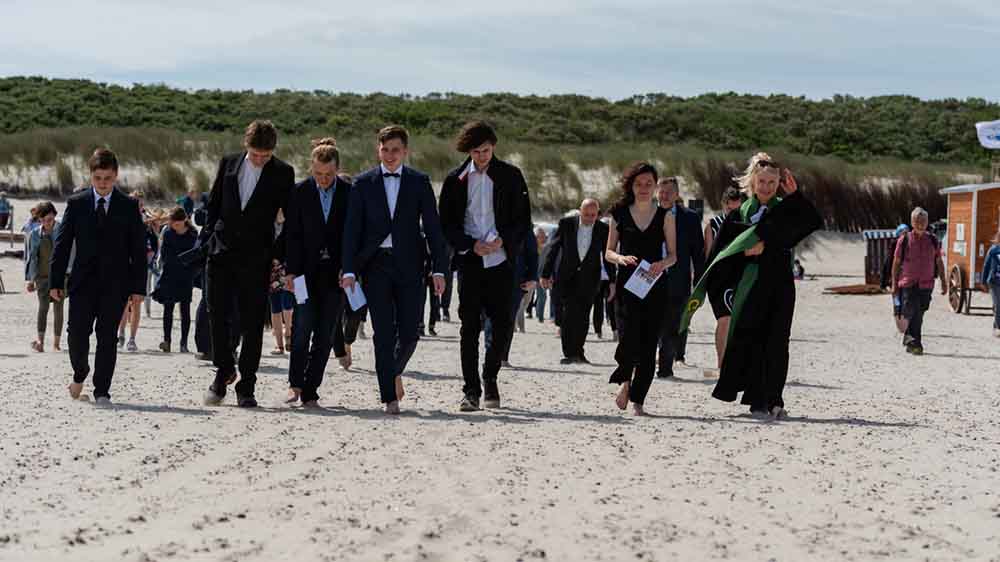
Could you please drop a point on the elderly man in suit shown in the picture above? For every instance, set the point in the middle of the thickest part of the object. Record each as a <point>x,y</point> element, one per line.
<point>383,245</point>
<point>109,268</point>
<point>249,189</point>
<point>579,242</point>
<point>681,277</point>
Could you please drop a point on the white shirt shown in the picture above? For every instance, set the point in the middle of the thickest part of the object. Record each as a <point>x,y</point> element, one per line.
<point>391,195</point>
<point>584,236</point>
<point>480,220</point>
<point>249,176</point>
<point>107,199</point>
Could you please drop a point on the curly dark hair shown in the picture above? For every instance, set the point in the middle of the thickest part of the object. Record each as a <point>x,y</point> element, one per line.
<point>628,179</point>
<point>261,135</point>
<point>474,134</point>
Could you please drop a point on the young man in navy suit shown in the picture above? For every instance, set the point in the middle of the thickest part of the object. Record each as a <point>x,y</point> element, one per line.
<point>383,245</point>
<point>314,238</point>
<point>109,268</point>
<point>486,216</point>
<point>250,187</point>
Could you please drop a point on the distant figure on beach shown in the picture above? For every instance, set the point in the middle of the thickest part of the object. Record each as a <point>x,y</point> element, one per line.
<point>6,210</point>
<point>314,242</point>
<point>750,279</point>
<point>109,269</point>
<point>578,243</point>
<point>798,272</point>
<point>383,246</point>
<point>250,188</point>
<point>37,276</point>
<point>175,285</point>
<point>991,279</point>
<point>680,278</point>
<point>916,262</point>
<point>639,231</point>
<point>486,216</point>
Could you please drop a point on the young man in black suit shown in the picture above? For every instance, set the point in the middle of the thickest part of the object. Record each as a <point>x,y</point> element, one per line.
<point>486,215</point>
<point>580,241</point>
<point>249,189</point>
<point>384,247</point>
<point>681,277</point>
<point>109,268</point>
<point>314,239</point>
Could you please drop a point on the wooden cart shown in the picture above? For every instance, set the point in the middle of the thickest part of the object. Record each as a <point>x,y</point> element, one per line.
<point>973,219</point>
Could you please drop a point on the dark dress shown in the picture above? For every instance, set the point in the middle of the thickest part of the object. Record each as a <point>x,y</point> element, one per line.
<point>177,279</point>
<point>641,319</point>
<point>756,360</point>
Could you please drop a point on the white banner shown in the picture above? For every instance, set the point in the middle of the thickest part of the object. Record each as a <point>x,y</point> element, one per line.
<point>989,134</point>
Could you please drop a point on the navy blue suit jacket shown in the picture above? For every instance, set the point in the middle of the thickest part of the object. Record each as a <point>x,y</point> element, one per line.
<point>307,233</point>
<point>369,223</point>
<point>690,253</point>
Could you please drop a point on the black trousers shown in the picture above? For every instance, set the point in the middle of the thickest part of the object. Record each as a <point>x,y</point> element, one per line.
<point>168,321</point>
<point>95,309</point>
<point>313,326</point>
<point>346,331</point>
<point>640,322</point>
<point>483,291</point>
<point>435,302</point>
<point>602,307</point>
<point>237,287</point>
<point>915,303</point>
<point>202,327</point>
<point>671,343</point>
<point>574,324</point>
<point>449,281</point>
<point>394,299</point>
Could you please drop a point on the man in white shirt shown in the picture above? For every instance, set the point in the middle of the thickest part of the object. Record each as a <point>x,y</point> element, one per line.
<point>486,216</point>
<point>384,247</point>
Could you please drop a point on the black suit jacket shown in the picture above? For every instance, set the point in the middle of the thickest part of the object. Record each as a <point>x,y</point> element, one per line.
<point>369,223</point>
<point>248,233</point>
<point>115,257</point>
<point>306,233</point>
<point>578,275</point>
<point>511,207</point>
<point>690,254</point>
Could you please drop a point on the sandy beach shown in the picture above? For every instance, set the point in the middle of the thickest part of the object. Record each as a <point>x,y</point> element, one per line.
<point>886,456</point>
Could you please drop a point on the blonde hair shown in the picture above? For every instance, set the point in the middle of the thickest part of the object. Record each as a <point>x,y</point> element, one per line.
<point>746,181</point>
<point>325,151</point>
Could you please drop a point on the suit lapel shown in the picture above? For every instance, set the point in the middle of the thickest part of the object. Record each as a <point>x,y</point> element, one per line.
<point>574,232</point>
<point>382,197</point>
<point>260,181</point>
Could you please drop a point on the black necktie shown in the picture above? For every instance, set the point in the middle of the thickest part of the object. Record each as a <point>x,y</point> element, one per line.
<point>102,212</point>
<point>390,175</point>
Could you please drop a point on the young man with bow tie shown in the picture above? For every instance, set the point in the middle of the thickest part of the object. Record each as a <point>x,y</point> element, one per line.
<point>486,215</point>
<point>383,246</point>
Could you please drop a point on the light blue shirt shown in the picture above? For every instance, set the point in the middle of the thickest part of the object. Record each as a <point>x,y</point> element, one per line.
<point>326,198</point>
<point>98,197</point>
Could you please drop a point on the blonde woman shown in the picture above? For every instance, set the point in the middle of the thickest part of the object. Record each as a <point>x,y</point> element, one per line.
<point>750,280</point>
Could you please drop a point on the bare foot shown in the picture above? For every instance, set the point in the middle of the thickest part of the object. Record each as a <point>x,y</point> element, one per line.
<point>399,388</point>
<point>293,395</point>
<point>55,346</point>
<point>622,399</point>
<point>37,346</point>
<point>637,410</point>
<point>75,388</point>
<point>392,408</point>
<point>345,361</point>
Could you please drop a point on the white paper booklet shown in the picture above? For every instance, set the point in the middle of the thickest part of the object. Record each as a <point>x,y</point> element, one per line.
<point>301,292</point>
<point>642,280</point>
<point>356,297</point>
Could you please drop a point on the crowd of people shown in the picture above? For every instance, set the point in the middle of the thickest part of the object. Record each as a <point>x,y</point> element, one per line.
<point>314,259</point>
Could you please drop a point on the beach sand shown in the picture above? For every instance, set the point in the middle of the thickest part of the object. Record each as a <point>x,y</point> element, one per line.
<point>886,455</point>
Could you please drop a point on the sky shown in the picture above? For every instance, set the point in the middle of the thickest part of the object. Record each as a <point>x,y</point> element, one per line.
<point>928,49</point>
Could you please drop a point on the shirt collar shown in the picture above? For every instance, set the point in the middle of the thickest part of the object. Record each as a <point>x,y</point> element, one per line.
<point>246,158</point>
<point>386,170</point>
<point>472,168</point>
<point>107,198</point>
<point>580,222</point>
<point>327,190</point>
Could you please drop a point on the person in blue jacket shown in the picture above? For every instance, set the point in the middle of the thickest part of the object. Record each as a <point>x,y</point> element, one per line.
<point>991,278</point>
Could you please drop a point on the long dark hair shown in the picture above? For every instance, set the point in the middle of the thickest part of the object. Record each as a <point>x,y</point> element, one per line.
<point>628,180</point>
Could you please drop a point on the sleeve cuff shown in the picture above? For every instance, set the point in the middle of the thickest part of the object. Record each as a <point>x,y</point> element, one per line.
<point>349,276</point>
<point>438,275</point>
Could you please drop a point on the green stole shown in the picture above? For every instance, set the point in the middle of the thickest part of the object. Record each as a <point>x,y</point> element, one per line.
<point>740,244</point>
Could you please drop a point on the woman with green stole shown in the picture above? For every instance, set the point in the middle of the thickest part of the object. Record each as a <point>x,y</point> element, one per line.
<point>750,279</point>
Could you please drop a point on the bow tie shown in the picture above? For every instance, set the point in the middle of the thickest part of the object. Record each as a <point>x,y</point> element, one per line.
<point>390,175</point>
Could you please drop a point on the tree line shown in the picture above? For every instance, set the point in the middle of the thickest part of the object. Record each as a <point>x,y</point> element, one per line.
<point>853,129</point>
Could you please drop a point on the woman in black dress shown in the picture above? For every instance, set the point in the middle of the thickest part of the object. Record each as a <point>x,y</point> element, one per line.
<point>640,230</point>
<point>176,279</point>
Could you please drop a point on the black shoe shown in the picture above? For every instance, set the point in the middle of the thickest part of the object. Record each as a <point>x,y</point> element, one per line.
<point>421,332</point>
<point>431,331</point>
<point>665,374</point>
<point>566,361</point>
<point>246,401</point>
<point>582,359</point>
<point>469,404</point>
<point>203,357</point>
<point>600,336</point>
<point>446,317</point>
<point>491,394</point>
